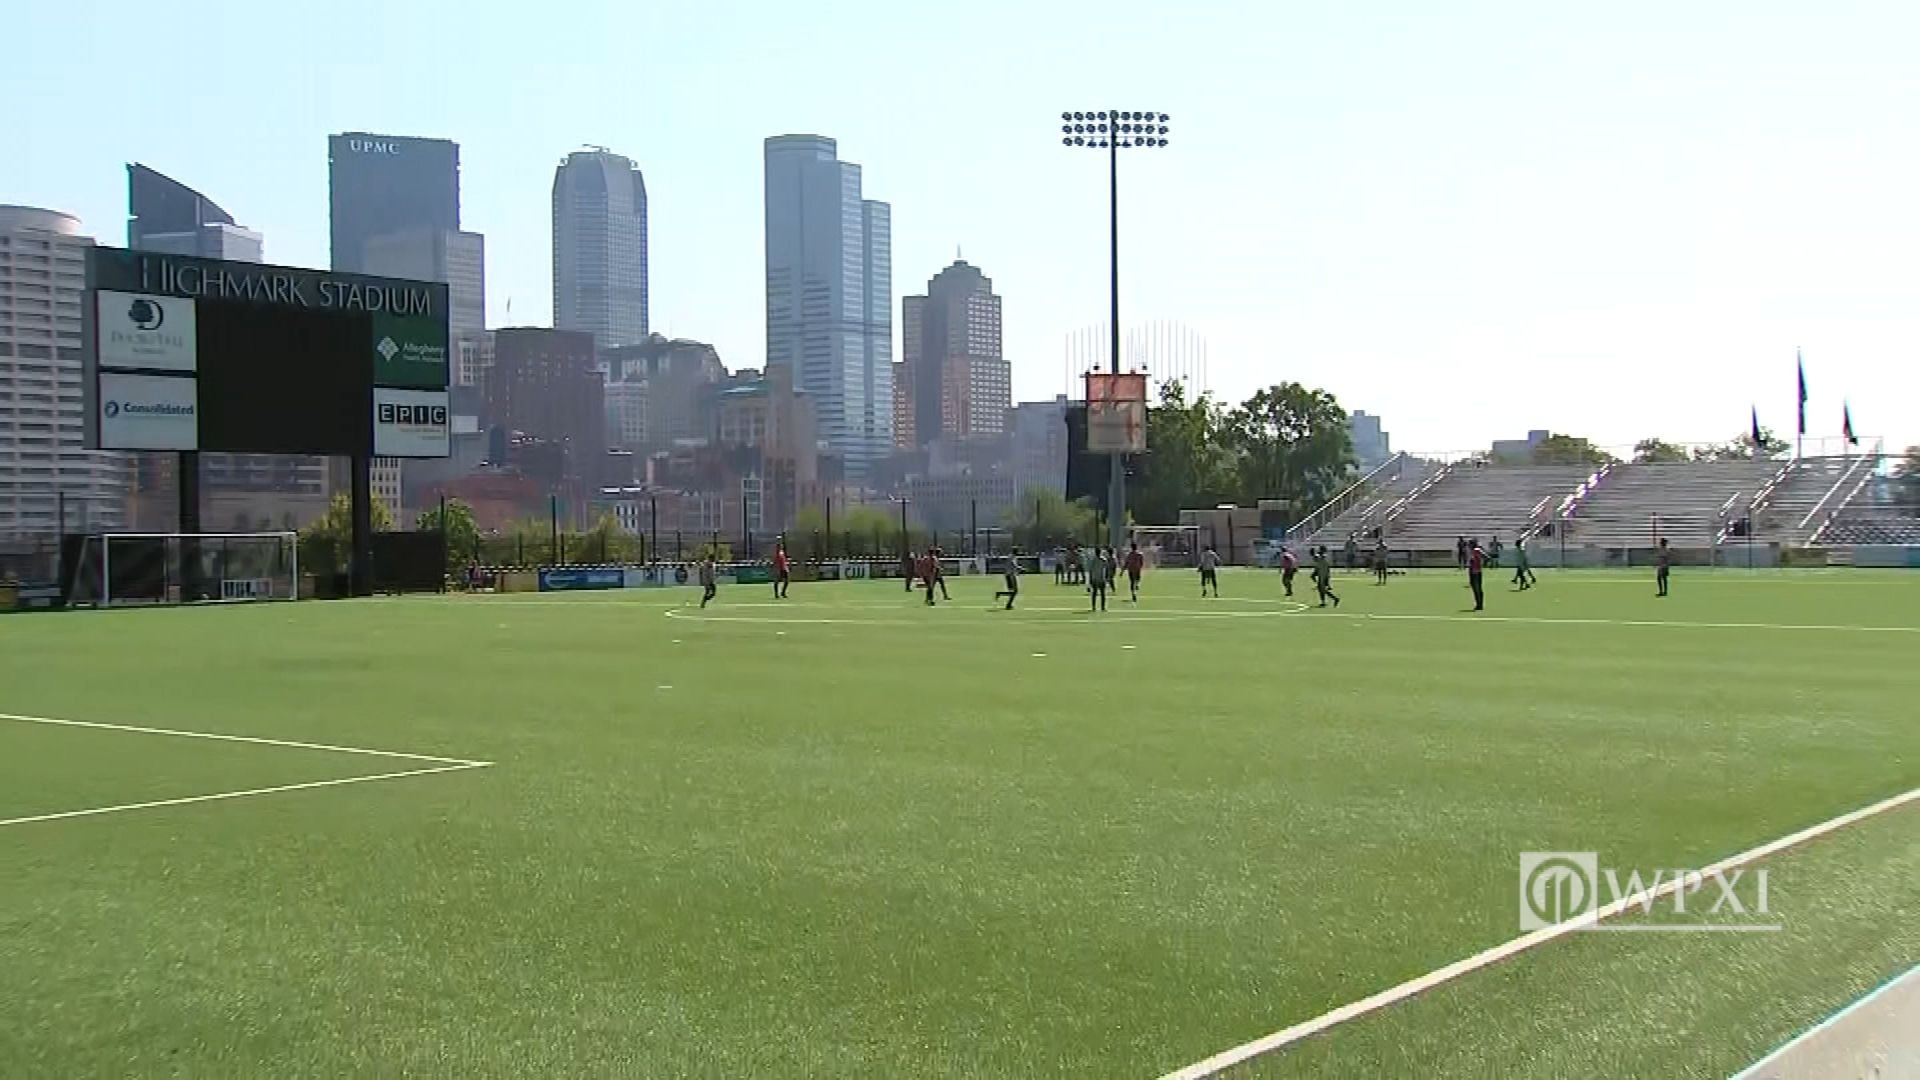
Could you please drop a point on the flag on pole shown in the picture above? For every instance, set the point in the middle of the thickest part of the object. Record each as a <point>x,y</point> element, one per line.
<point>1801,364</point>
<point>1757,443</point>
<point>1846,424</point>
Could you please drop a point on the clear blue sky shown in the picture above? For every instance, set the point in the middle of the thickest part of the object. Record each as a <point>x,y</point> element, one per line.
<point>1614,221</point>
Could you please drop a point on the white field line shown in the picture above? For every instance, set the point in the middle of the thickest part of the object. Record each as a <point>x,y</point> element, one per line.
<point>1266,1044</point>
<point>178,733</point>
<point>455,767</point>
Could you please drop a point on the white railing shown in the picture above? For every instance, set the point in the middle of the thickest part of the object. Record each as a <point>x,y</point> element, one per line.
<point>1400,507</point>
<point>1348,498</point>
<point>1866,476</point>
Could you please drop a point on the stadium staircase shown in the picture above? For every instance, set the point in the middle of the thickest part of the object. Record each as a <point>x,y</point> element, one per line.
<point>1792,506</point>
<point>1689,500</point>
<point>1360,507</point>
<point>1480,500</point>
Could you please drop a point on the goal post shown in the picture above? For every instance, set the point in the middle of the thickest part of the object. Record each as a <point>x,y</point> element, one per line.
<point>139,569</point>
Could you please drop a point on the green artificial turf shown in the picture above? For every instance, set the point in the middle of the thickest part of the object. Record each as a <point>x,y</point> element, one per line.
<point>846,835</point>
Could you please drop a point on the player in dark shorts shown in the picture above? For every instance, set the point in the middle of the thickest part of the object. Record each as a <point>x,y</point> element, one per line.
<point>782,572</point>
<point>1289,566</point>
<point>1096,582</point>
<point>709,581</point>
<point>1476,562</point>
<point>1210,571</point>
<point>929,569</point>
<point>1012,591</point>
<point>1136,562</point>
<point>1323,576</point>
<point>1665,558</point>
<point>1380,560</point>
<point>939,572</point>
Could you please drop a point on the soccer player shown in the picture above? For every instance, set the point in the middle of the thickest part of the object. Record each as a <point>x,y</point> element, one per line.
<point>1096,582</point>
<point>1210,571</point>
<point>1476,563</point>
<point>1323,576</point>
<point>1522,566</point>
<point>1013,580</point>
<point>939,571</point>
<point>1136,562</point>
<point>1460,553</point>
<point>1493,553</point>
<point>929,569</point>
<point>1666,566</point>
<point>782,572</point>
<point>1380,560</point>
<point>1289,566</point>
<point>709,580</point>
<point>1353,552</point>
<point>1113,569</point>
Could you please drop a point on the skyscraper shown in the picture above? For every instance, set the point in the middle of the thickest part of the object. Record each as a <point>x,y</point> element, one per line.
<point>952,359</point>
<point>388,183</point>
<point>166,215</point>
<point>600,247</point>
<point>830,294</point>
<point>392,198</point>
<point>46,469</point>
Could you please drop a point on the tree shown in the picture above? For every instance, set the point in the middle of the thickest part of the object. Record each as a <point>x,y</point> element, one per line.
<point>1655,451</point>
<point>1568,450</point>
<point>1289,442</point>
<point>327,545</point>
<point>605,542</point>
<point>1044,519</point>
<point>1187,459</point>
<point>1906,479</point>
<point>463,533</point>
<point>1742,448</point>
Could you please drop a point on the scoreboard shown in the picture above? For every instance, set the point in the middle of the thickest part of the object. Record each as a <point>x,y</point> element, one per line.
<point>204,354</point>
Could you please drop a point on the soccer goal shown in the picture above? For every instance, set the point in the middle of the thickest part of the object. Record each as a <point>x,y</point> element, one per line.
<point>133,569</point>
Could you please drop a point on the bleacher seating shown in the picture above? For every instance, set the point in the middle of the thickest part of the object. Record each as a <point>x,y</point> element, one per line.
<point>1367,511</point>
<point>1687,496</point>
<point>1870,527</point>
<point>1794,510</point>
<point>1482,501</point>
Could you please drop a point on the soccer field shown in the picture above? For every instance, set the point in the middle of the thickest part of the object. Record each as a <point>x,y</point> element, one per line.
<point>847,835</point>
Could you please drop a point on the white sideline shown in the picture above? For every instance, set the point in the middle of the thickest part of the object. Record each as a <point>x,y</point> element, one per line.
<point>1394,995</point>
<point>4,822</point>
<point>462,762</point>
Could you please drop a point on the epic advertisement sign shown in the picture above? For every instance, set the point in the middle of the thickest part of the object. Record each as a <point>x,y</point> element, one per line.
<point>148,412</point>
<point>410,423</point>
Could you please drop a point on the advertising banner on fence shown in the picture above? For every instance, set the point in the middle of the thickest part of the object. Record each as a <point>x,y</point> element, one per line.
<point>648,577</point>
<point>752,575</point>
<point>570,579</point>
<point>853,571</point>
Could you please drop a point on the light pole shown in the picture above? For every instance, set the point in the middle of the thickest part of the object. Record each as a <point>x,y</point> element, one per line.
<point>1114,130</point>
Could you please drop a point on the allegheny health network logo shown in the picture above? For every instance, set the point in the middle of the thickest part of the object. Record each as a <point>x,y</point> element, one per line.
<point>386,349</point>
<point>144,314</point>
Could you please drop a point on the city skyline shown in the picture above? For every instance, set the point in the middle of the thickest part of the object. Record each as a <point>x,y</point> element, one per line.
<point>1442,194</point>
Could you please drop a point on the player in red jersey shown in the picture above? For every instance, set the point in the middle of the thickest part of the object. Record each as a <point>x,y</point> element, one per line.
<point>1136,563</point>
<point>929,571</point>
<point>1289,566</point>
<point>782,572</point>
<point>1476,562</point>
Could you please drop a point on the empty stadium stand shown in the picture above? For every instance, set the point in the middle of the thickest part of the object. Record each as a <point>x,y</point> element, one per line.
<point>1481,501</point>
<point>1693,501</point>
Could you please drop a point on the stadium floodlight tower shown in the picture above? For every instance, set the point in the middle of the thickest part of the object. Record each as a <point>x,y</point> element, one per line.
<point>1112,131</point>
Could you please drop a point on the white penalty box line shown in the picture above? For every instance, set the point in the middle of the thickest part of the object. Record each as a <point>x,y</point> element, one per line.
<point>1267,1044</point>
<point>433,764</point>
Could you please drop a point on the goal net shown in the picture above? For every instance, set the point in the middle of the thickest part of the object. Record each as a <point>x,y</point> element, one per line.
<point>131,569</point>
